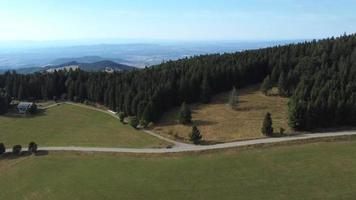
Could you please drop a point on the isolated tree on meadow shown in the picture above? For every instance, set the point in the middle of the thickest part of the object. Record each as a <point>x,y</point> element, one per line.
<point>32,147</point>
<point>195,135</point>
<point>16,150</point>
<point>185,114</point>
<point>267,128</point>
<point>233,98</point>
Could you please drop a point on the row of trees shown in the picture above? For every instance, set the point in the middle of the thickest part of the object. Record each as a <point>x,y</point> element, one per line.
<point>318,76</point>
<point>17,149</point>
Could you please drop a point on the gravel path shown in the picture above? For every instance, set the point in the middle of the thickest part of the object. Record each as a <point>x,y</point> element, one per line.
<point>194,148</point>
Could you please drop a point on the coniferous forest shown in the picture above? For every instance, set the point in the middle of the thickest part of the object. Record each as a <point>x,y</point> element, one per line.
<point>319,77</point>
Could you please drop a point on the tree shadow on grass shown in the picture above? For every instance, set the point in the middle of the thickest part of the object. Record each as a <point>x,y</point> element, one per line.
<point>40,113</point>
<point>11,156</point>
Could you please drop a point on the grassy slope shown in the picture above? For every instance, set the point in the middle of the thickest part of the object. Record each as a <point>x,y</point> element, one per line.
<point>220,123</point>
<point>66,125</point>
<point>312,171</point>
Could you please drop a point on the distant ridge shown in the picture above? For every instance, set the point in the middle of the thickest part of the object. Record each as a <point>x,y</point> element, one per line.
<point>105,65</point>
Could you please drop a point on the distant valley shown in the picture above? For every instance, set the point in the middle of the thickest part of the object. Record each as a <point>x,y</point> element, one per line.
<point>30,59</point>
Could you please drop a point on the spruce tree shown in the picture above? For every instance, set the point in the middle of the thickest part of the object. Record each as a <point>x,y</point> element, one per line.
<point>185,114</point>
<point>266,85</point>
<point>267,128</point>
<point>233,98</point>
<point>205,91</point>
<point>195,135</point>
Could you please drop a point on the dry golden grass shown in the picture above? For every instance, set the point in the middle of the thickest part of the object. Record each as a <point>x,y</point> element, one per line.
<point>218,122</point>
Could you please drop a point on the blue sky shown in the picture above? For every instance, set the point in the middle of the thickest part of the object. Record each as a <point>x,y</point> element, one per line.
<point>175,19</point>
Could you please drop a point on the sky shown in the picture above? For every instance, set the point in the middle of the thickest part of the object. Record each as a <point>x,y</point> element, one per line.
<point>193,20</point>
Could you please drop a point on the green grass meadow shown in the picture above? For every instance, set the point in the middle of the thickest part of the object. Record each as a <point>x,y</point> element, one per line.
<point>311,171</point>
<point>69,125</point>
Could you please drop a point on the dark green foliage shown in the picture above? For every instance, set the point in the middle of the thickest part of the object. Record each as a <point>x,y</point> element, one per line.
<point>133,121</point>
<point>195,135</point>
<point>2,148</point>
<point>267,128</point>
<point>205,91</point>
<point>4,103</point>
<point>233,98</point>
<point>266,85</point>
<point>33,109</point>
<point>121,116</point>
<point>185,114</point>
<point>32,147</point>
<point>16,150</point>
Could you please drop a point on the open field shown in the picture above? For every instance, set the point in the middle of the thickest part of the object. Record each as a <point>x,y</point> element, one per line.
<point>220,123</point>
<point>310,171</point>
<point>67,125</point>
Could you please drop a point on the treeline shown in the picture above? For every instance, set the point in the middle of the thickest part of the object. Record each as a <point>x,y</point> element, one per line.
<point>319,76</point>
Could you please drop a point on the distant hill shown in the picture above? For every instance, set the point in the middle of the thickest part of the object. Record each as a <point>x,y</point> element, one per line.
<point>84,59</point>
<point>105,65</point>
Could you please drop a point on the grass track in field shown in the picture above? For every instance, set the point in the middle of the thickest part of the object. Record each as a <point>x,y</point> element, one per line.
<point>310,171</point>
<point>69,125</point>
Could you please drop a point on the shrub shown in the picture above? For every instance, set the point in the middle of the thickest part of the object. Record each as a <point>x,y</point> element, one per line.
<point>133,121</point>
<point>16,150</point>
<point>150,125</point>
<point>33,109</point>
<point>121,116</point>
<point>143,123</point>
<point>32,147</point>
<point>281,131</point>
<point>2,148</point>
<point>195,136</point>
<point>267,128</point>
<point>233,98</point>
<point>185,114</point>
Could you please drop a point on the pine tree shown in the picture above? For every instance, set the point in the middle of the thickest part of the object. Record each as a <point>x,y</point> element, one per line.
<point>233,98</point>
<point>267,128</point>
<point>205,91</point>
<point>195,135</point>
<point>266,85</point>
<point>282,85</point>
<point>185,114</point>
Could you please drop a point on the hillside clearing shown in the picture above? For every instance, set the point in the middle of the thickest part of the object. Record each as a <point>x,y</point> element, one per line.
<point>220,123</point>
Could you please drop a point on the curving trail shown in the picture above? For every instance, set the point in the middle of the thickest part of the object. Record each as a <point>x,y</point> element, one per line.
<point>179,147</point>
<point>195,148</point>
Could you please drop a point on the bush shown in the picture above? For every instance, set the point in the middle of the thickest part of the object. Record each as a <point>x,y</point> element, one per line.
<point>16,150</point>
<point>185,114</point>
<point>121,116</point>
<point>195,136</point>
<point>32,147</point>
<point>33,109</point>
<point>143,123</point>
<point>150,125</point>
<point>2,148</point>
<point>281,131</point>
<point>267,128</point>
<point>133,121</point>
